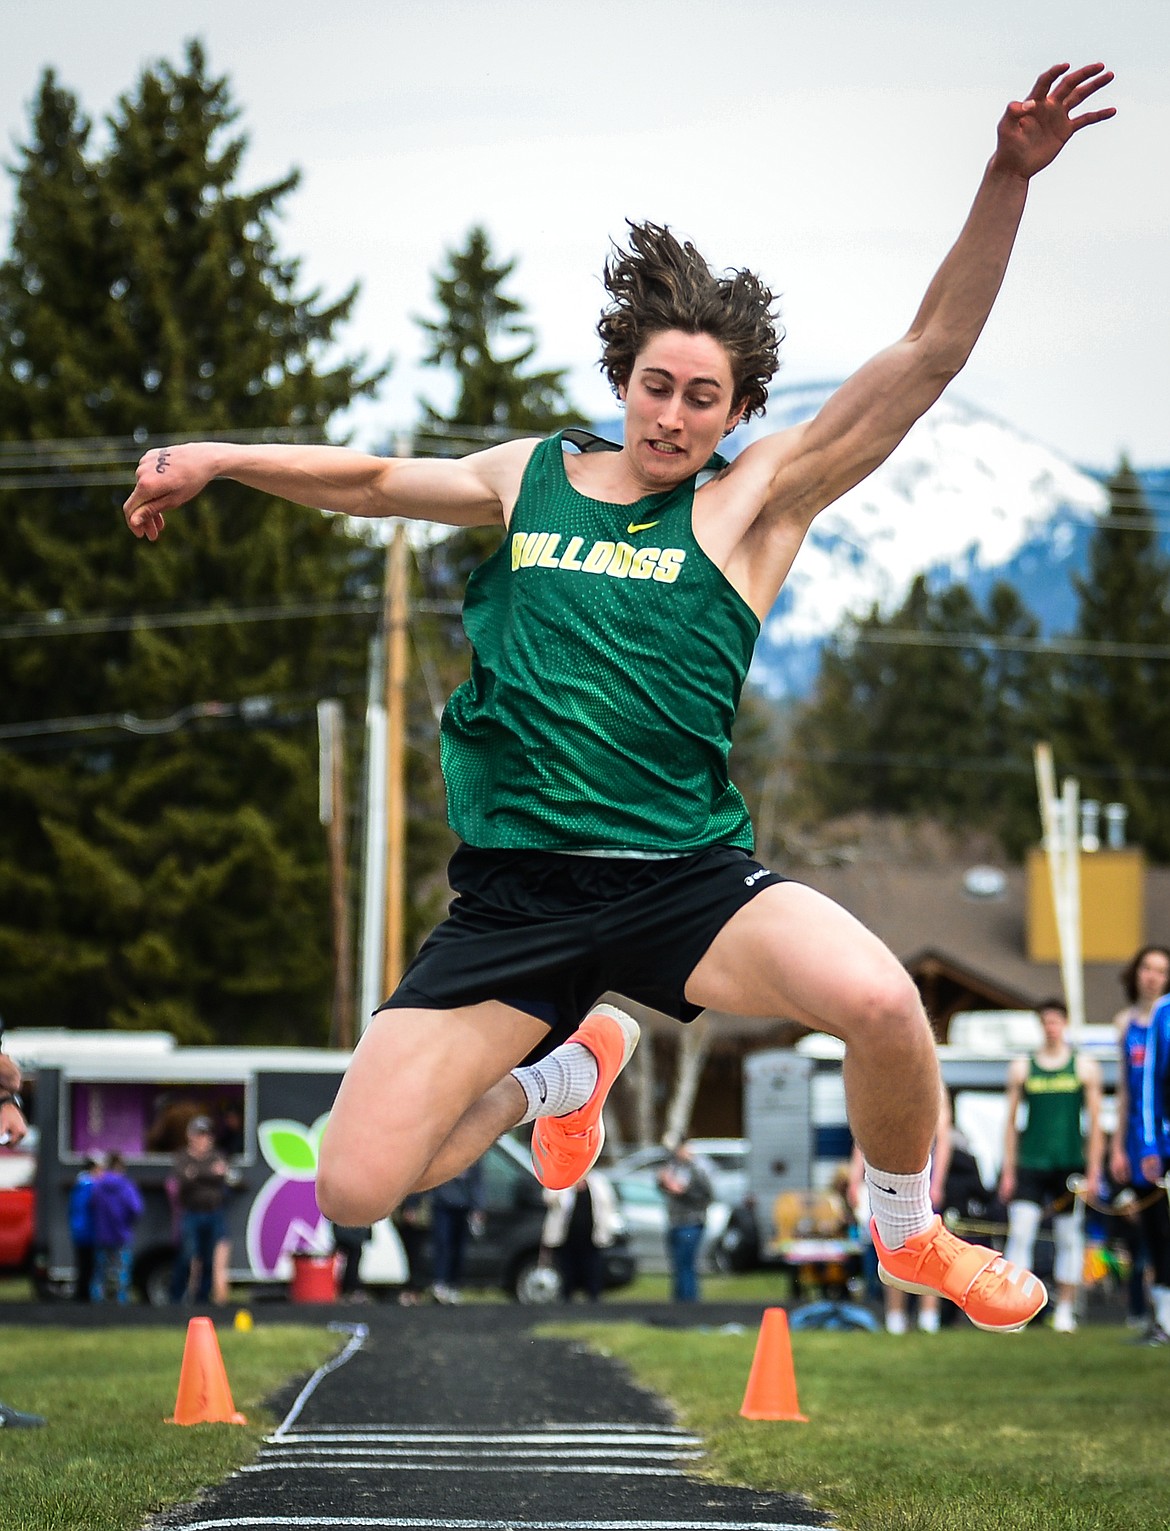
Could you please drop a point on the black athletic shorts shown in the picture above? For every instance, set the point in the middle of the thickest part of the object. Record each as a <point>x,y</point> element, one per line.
<point>549,933</point>
<point>1046,1187</point>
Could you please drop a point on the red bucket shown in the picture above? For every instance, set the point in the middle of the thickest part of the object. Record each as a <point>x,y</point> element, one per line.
<point>314,1279</point>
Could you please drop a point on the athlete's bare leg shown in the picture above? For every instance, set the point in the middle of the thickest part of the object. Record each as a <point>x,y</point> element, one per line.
<point>793,952</point>
<point>427,1092</point>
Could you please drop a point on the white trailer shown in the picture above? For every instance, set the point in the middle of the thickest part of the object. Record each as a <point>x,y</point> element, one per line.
<point>93,1093</point>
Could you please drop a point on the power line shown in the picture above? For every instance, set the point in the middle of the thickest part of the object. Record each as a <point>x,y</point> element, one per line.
<point>56,624</point>
<point>249,712</point>
<point>977,765</point>
<point>1076,647</point>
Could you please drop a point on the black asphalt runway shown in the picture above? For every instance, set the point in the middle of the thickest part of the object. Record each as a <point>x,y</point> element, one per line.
<point>462,1419</point>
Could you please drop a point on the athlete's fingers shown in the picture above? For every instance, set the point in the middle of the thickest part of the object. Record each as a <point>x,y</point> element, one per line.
<point>1045,82</point>
<point>1086,119</point>
<point>1073,89</point>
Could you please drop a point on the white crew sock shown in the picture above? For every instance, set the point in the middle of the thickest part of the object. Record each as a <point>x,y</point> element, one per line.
<point>559,1083</point>
<point>900,1204</point>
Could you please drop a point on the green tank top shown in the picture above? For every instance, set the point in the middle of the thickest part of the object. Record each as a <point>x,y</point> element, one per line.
<point>608,657</point>
<point>1052,1138</point>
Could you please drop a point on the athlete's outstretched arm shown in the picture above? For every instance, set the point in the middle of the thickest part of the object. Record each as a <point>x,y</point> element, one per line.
<point>471,491</point>
<point>870,413</point>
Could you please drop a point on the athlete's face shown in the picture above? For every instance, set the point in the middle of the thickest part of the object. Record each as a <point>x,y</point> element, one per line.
<point>1054,1023</point>
<point>678,404</point>
<point>1153,975</point>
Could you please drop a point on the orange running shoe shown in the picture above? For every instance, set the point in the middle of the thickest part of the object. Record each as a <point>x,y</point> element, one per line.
<point>991,1291</point>
<point>565,1148</point>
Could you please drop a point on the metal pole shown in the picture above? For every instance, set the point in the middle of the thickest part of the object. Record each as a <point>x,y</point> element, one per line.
<point>396,619</point>
<point>374,895</point>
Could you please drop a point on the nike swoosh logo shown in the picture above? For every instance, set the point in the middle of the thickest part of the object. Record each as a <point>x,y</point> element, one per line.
<point>640,526</point>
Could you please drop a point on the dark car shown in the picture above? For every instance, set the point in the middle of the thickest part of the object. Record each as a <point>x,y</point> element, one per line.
<point>507,1253</point>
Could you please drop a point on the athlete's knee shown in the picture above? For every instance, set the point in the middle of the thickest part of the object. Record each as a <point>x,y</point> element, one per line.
<point>347,1192</point>
<point>887,1007</point>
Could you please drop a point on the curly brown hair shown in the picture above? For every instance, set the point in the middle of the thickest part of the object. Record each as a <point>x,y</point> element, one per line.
<point>659,284</point>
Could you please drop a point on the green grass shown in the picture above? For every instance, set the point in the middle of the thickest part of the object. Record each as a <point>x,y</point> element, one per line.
<point>961,1431</point>
<point>754,1286</point>
<point>106,1459</point>
<point>751,1287</point>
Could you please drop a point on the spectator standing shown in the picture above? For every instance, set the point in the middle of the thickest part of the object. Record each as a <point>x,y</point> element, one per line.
<point>117,1205</point>
<point>688,1191</point>
<point>1136,1142</point>
<point>1061,1089</point>
<point>81,1227</point>
<point>456,1211</point>
<point>349,1243</point>
<point>580,1224</point>
<point>410,1220</point>
<point>201,1178</point>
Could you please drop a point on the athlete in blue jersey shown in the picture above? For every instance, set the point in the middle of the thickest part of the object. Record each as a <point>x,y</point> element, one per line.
<point>545,924</point>
<point>1141,1143</point>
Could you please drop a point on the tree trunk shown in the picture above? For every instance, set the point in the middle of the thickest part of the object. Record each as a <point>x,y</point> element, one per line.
<point>692,1054</point>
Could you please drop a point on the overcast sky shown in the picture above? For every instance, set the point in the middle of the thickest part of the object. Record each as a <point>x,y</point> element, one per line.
<point>834,145</point>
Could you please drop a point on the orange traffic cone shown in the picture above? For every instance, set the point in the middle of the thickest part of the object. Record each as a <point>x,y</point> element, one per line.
<point>204,1396</point>
<point>771,1387</point>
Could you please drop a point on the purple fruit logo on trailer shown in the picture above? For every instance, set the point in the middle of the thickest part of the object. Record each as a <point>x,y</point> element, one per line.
<point>284,1218</point>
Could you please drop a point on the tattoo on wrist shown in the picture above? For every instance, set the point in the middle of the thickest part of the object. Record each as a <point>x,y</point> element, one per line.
<point>164,457</point>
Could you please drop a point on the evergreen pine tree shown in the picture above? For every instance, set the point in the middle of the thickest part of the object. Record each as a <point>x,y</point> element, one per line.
<point>478,319</point>
<point>178,879</point>
<point>1116,707</point>
<point>937,726</point>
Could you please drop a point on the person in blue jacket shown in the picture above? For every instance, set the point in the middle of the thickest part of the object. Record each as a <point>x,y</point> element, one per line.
<point>117,1206</point>
<point>81,1227</point>
<point>1141,1142</point>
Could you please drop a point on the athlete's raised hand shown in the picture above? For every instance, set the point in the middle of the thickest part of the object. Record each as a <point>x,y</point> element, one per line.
<point>1033,132</point>
<point>166,478</point>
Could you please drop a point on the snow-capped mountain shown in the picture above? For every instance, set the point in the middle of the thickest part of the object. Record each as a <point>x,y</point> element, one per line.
<point>965,497</point>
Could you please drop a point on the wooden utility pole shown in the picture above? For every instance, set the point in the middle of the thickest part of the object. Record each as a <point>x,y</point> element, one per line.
<point>395,612</point>
<point>331,737</point>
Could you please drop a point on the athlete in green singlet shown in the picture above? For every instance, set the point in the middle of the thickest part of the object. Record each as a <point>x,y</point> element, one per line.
<point>1059,1144</point>
<point>604,848</point>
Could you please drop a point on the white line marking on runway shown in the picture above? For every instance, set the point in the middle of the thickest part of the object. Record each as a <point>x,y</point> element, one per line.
<point>571,1454</point>
<point>409,1523</point>
<point>537,1432</point>
<point>358,1334</point>
<point>563,1437</point>
<point>611,1470</point>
